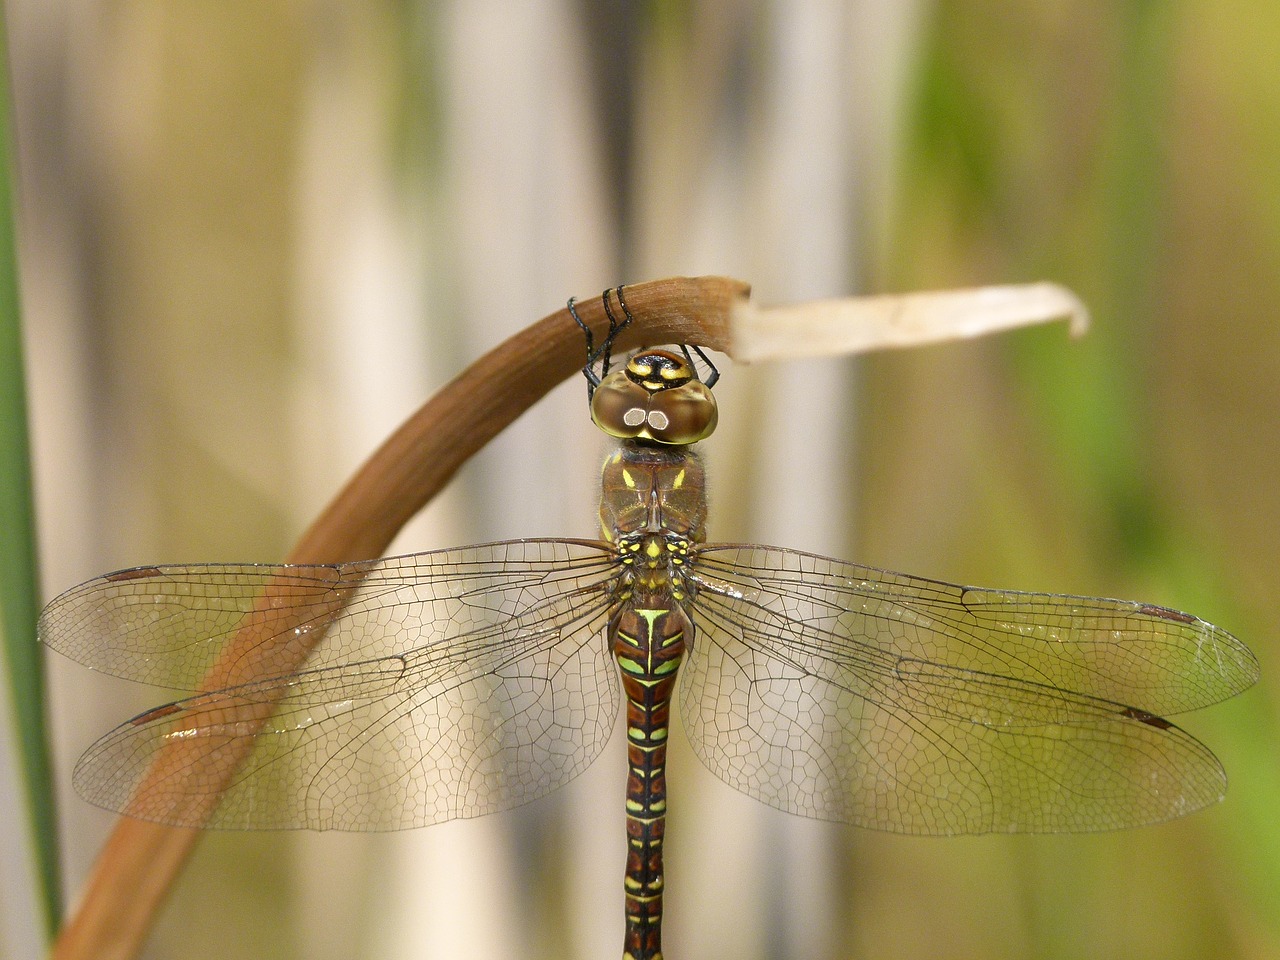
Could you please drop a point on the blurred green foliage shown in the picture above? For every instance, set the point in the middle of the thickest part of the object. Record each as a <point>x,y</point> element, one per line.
<point>1129,152</point>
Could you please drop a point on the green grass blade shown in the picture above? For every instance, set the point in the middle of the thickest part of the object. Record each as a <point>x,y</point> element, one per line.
<point>19,603</point>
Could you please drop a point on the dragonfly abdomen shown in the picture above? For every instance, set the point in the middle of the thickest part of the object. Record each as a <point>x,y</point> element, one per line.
<point>649,636</point>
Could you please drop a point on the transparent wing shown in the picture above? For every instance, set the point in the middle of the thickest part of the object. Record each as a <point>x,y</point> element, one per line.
<point>847,693</point>
<point>447,684</point>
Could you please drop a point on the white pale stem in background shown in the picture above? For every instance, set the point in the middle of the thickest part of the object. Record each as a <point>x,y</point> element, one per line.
<point>523,227</point>
<point>862,324</point>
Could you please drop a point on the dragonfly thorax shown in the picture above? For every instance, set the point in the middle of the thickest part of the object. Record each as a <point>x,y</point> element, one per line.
<point>655,491</point>
<point>655,564</point>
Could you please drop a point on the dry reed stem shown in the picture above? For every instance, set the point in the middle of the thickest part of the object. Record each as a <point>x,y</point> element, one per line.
<point>140,861</point>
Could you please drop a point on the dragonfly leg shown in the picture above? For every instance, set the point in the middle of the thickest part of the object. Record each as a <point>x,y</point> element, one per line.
<point>601,355</point>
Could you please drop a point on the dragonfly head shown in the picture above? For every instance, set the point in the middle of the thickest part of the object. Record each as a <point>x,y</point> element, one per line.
<point>656,398</point>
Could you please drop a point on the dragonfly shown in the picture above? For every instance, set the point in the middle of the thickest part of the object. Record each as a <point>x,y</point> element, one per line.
<point>460,682</point>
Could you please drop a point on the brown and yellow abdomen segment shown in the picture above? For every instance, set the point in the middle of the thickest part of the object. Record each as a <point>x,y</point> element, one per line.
<point>648,641</point>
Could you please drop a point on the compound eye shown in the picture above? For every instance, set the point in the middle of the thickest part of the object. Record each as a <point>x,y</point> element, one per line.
<point>620,407</point>
<point>682,415</point>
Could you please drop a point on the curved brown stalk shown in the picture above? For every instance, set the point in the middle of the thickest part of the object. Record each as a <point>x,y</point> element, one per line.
<point>140,861</point>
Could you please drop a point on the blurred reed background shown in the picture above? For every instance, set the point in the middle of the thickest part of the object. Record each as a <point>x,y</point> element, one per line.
<point>256,235</point>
